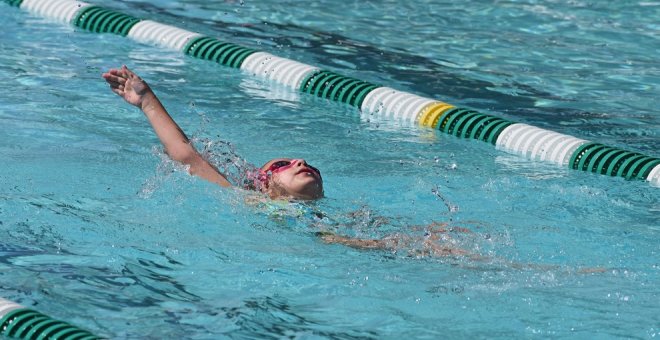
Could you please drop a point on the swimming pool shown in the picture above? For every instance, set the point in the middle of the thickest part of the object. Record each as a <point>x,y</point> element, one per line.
<point>100,230</point>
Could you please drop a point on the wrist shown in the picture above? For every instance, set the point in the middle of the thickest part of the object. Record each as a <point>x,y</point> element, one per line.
<point>149,101</point>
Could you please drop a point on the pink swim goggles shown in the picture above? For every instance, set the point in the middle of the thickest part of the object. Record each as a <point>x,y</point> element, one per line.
<point>284,164</point>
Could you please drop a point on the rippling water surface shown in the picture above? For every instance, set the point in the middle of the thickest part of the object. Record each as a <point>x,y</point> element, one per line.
<point>99,229</point>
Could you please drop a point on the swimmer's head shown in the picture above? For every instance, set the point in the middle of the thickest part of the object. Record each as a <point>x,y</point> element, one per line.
<point>294,178</point>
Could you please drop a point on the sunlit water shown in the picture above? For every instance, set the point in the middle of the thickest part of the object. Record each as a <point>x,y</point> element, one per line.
<point>99,229</point>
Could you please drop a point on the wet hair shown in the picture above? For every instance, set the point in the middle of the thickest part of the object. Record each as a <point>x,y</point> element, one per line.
<point>255,179</point>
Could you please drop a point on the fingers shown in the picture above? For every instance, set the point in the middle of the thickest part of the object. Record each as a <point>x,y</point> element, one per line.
<point>115,85</point>
<point>121,73</point>
<point>114,79</point>
<point>123,82</point>
<point>115,72</point>
<point>129,74</point>
<point>118,91</point>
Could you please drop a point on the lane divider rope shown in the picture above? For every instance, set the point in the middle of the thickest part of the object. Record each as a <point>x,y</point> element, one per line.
<point>18,322</point>
<point>371,99</point>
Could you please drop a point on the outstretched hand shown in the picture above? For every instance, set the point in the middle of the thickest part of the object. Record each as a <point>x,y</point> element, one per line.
<point>128,85</point>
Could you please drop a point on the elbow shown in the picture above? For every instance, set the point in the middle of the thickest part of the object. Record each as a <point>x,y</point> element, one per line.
<point>193,160</point>
<point>185,155</point>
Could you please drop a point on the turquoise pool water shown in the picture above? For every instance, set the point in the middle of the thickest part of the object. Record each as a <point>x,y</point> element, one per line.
<point>100,230</point>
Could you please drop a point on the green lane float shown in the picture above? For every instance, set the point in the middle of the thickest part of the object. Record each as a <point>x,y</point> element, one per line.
<point>101,20</point>
<point>18,322</point>
<point>372,100</point>
<point>224,53</point>
<point>462,122</point>
<point>330,85</point>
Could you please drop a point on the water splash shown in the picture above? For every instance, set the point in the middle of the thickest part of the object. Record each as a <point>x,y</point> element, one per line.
<point>451,208</point>
<point>164,171</point>
<point>222,155</point>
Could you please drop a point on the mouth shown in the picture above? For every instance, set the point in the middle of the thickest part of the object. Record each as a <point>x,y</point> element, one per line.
<point>307,170</point>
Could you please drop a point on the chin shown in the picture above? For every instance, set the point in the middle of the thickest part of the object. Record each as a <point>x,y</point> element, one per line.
<point>310,195</point>
<point>310,198</point>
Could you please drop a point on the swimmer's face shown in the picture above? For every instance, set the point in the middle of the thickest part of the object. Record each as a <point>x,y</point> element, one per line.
<point>293,178</point>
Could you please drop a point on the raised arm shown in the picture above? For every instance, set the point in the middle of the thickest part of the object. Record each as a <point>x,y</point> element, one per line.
<point>135,91</point>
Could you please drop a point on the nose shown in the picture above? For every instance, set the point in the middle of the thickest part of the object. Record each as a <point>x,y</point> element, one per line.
<point>299,162</point>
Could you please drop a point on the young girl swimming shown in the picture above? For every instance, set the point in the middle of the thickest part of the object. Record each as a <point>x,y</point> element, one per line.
<point>280,178</point>
<point>283,179</point>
